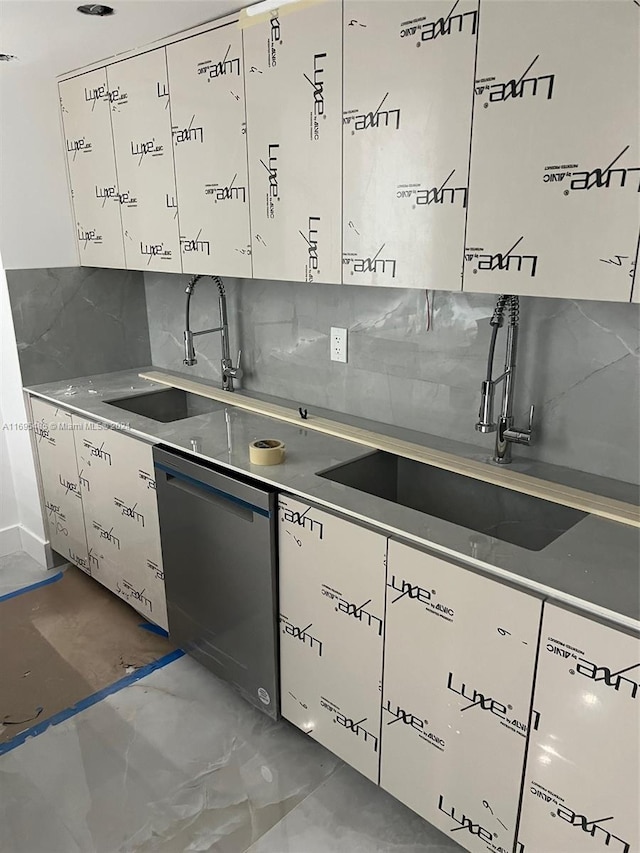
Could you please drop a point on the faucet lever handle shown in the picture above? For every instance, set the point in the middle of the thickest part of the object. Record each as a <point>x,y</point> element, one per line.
<point>531,411</point>
<point>240,358</point>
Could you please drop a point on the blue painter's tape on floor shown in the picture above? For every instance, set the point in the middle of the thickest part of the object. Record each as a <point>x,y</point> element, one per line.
<point>37,585</point>
<point>83,704</point>
<point>154,629</point>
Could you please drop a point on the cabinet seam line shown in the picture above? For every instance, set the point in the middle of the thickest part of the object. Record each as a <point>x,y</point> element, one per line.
<point>173,160</point>
<point>69,182</point>
<point>115,164</point>
<point>529,726</point>
<point>384,638</point>
<point>246,147</point>
<point>473,105</point>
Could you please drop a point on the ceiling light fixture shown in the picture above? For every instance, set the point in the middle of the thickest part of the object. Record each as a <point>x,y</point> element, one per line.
<point>95,9</point>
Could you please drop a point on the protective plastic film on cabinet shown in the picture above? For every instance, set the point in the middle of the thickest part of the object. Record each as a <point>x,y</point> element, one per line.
<point>408,92</point>
<point>84,105</point>
<point>141,120</point>
<point>293,70</point>
<point>458,679</point>
<point>63,510</point>
<point>331,628</point>
<point>555,159</point>
<point>582,785</point>
<point>206,81</point>
<point>121,516</point>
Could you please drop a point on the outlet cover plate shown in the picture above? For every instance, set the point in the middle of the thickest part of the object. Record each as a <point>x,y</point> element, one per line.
<point>338,343</point>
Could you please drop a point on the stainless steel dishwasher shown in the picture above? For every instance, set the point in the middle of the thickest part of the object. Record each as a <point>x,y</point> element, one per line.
<point>219,553</point>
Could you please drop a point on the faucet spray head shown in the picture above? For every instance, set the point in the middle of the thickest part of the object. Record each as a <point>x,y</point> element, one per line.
<point>191,284</point>
<point>485,422</point>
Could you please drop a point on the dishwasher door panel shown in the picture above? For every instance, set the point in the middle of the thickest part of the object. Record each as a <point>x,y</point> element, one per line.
<point>218,547</point>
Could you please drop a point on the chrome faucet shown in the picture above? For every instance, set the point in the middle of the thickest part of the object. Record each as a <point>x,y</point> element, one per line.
<point>227,370</point>
<point>506,433</point>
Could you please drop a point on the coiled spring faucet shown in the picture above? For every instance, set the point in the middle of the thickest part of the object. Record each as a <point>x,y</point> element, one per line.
<point>506,433</point>
<point>227,370</point>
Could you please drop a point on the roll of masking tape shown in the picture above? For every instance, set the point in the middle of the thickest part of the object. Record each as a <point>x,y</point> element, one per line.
<point>266,451</point>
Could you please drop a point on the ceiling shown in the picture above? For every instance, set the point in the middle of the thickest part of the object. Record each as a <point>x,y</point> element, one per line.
<point>52,36</point>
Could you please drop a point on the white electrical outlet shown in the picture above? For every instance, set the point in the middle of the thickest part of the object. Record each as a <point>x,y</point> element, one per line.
<point>338,339</point>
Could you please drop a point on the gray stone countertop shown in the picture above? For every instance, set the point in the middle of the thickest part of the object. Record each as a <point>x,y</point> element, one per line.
<point>594,566</point>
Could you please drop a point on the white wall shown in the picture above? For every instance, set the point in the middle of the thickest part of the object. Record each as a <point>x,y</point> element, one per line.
<point>9,529</point>
<point>50,37</point>
<point>19,474</point>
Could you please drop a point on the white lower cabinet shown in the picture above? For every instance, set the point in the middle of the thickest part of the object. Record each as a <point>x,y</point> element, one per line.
<point>332,576</point>
<point>458,674</point>
<point>64,519</point>
<point>121,516</point>
<point>100,502</point>
<point>582,785</point>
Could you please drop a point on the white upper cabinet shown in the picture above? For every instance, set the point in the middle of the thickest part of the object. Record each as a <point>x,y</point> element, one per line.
<point>141,119</point>
<point>408,91</point>
<point>206,80</point>
<point>84,105</point>
<point>582,785</point>
<point>293,69</point>
<point>555,161</point>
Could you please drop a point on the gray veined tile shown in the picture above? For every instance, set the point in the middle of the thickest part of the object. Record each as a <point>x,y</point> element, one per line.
<point>175,762</point>
<point>577,361</point>
<point>349,814</point>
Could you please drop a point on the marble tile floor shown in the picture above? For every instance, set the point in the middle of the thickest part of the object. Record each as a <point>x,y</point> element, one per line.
<point>178,762</point>
<point>18,570</point>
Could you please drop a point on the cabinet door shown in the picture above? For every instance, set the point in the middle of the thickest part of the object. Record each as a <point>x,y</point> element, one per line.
<point>331,627</point>
<point>86,121</point>
<point>64,518</point>
<point>408,90</point>
<point>121,514</point>
<point>293,68</point>
<point>555,161</point>
<point>582,786</point>
<point>141,118</point>
<point>206,79</point>
<point>458,677</point>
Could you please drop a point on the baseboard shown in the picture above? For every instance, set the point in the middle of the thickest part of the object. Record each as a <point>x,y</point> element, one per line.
<point>18,538</point>
<point>10,540</point>
<point>35,547</point>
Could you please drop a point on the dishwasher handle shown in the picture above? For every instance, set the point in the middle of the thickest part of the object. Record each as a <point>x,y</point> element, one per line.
<point>205,491</point>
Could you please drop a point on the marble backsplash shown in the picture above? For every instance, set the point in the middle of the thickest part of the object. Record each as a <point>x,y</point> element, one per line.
<point>420,366</point>
<point>73,321</point>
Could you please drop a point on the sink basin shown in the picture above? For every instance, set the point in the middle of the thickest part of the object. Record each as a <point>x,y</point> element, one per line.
<point>519,519</point>
<point>172,404</point>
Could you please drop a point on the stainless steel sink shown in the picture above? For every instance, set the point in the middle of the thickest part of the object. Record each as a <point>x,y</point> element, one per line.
<point>519,519</point>
<point>172,404</point>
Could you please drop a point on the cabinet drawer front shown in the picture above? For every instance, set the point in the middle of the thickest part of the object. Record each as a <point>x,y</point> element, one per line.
<point>582,786</point>
<point>553,201</point>
<point>331,630</point>
<point>61,488</point>
<point>293,68</point>
<point>408,91</point>
<point>141,119</point>
<point>121,515</point>
<point>85,108</point>
<point>206,78</point>
<point>458,678</point>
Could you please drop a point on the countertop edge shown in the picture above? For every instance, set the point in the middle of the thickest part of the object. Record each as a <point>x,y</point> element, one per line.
<point>587,607</point>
